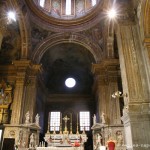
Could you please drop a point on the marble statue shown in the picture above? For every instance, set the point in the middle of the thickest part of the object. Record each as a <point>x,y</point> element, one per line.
<point>37,117</point>
<point>99,138</point>
<point>103,118</point>
<point>94,119</point>
<point>32,141</point>
<point>27,118</point>
<point>119,138</point>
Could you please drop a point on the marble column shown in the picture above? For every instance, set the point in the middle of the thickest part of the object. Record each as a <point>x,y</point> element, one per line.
<point>18,99</point>
<point>105,84</point>
<point>136,117</point>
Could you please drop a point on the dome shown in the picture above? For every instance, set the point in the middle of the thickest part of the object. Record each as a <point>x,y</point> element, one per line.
<point>66,9</point>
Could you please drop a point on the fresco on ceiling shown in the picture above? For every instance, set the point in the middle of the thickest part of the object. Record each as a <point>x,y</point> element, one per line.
<point>96,35</point>
<point>56,7</point>
<point>10,39</point>
<point>79,7</point>
<point>38,35</point>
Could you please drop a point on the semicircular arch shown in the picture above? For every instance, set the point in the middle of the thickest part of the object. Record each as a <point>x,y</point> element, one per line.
<point>53,40</point>
<point>23,30</point>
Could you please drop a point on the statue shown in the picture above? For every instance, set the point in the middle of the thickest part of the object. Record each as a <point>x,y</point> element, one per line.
<point>103,118</point>
<point>94,119</point>
<point>32,141</point>
<point>119,138</point>
<point>37,117</point>
<point>27,118</point>
<point>99,140</point>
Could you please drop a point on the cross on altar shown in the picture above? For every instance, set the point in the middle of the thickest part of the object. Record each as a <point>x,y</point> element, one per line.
<point>66,119</point>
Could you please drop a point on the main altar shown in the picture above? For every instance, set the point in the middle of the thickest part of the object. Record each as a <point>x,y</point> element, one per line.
<point>64,140</point>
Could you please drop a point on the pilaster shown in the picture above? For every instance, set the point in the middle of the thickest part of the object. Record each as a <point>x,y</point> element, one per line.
<point>31,90</point>
<point>106,83</point>
<point>136,116</point>
<point>18,100</point>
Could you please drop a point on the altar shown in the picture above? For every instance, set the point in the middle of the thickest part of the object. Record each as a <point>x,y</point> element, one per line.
<point>64,140</point>
<point>60,148</point>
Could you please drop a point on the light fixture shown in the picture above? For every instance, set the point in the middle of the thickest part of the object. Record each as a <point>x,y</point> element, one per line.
<point>112,13</point>
<point>11,16</point>
<point>70,82</point>
<point>118,94</point>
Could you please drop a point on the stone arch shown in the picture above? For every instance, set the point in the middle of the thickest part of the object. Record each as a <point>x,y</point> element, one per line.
<point>23,30</point>
<point>67,38</point>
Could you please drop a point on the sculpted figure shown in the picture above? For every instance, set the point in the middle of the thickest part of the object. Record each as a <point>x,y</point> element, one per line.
<point>103,118</point>
<point>27,118</point>
<point>94,119</point>
<point>37,118</point>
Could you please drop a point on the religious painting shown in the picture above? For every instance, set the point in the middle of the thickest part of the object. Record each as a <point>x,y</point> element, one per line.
<point>56,7</point>
<point>80,7</point>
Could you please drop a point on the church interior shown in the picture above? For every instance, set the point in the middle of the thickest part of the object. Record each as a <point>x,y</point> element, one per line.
<point>74,74</point>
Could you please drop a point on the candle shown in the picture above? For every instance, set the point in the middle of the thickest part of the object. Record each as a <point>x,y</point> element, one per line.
<point>61,118</point>
<point>70,118</point>
<point>77,118</point>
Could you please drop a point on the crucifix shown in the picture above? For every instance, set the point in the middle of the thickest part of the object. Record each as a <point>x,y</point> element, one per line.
<point>66,119</point>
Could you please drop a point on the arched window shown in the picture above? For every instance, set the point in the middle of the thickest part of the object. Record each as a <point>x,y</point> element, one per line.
<point>54,121</point>
<point>93,2</point>
<point>84,120</point>
<point>68,7</point>
<point>42,2</point>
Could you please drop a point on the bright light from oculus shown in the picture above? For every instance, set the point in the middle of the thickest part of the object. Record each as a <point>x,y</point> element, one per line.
<point>70,82</point>
<point>11,16</point>
<point>112,13</point>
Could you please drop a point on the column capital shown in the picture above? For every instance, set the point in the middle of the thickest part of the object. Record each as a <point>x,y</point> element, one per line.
<point>21,65</point>
<point>146,41</point>
<point>104,66</point>
<point>34,69</point>
<point>104,72</point>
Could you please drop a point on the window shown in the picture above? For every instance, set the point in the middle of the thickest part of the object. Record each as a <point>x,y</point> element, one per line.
<point>85,120</point>
<point>93,2</point>
<point>68,7</point>
<point>42,2</point>
<point>54,121</point>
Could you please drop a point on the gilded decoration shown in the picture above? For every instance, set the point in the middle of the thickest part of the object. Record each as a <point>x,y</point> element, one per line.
<point>147,18</point>
<point>5,101</point>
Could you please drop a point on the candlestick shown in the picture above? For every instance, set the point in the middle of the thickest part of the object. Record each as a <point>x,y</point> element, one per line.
<point>70,123</point>
<point>48,128</point>
<point>61,118</point>
<point>70,117</point>
<point>77,125</point>
<point>60,123</point>
<point>54,132</point>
